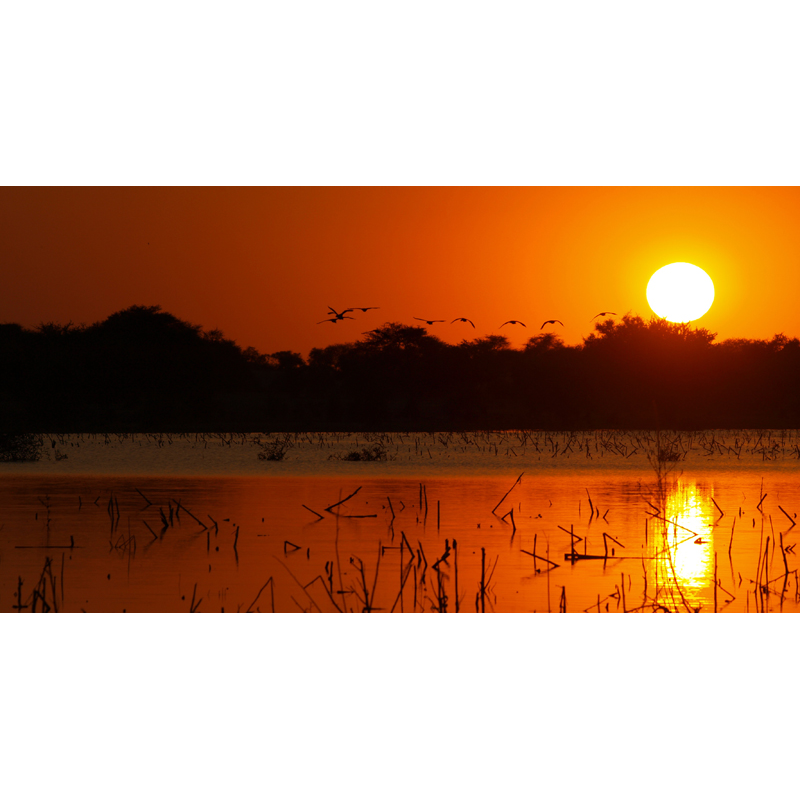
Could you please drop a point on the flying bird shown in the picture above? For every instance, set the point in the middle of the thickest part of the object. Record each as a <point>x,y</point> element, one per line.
<point>339,314</point>
<point>361,308</point>
<point>430,321</point>
<point>514,322</point>
<point>463,319</point>
<point>334,319</point>
<point>550,322</point>
<point>603,314</point>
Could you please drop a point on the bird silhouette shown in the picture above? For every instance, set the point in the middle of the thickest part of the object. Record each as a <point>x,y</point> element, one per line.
<point>334,319</point>
<point>339,314</point>
<point>430,321</point>
<point>463,319</point>
<point>603,314</point>
<point>514,322</point>
<point>550,322</point>
<point>361,308</point>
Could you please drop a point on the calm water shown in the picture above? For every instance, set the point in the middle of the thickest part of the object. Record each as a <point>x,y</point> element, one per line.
<point>241,533</point>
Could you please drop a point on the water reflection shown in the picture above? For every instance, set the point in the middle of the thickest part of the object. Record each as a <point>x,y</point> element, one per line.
<point>683,548</point>
<point>263,544</point>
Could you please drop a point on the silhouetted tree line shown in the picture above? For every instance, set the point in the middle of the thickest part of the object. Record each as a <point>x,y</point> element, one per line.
<point>143,369</point>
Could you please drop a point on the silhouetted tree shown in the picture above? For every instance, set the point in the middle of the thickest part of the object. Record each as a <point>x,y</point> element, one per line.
<point>145,369</point>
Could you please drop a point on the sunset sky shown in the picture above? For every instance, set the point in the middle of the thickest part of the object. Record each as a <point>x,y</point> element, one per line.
<point>414,93</point>
<point>264,264</point>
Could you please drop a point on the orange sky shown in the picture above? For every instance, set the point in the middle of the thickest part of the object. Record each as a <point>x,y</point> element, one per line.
<point>263,264</point>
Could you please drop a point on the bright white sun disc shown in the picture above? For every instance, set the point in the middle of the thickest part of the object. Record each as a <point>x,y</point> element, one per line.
<point>680,292</point>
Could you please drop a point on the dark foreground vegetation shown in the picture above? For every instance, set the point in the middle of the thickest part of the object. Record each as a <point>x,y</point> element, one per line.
<point>142,369</point>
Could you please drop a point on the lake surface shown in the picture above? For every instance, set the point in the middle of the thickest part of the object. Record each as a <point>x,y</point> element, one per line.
<point>444,522</point>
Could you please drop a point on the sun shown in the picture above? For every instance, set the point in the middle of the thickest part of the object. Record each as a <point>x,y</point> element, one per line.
<point>680,292</point>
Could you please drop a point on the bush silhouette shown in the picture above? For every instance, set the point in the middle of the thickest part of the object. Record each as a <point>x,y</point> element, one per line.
<point>144,369</point>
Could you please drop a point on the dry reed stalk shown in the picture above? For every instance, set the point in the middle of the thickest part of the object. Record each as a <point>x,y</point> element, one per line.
<point>313,602</point>
<point>732,596</point>
<point>339,563</point>
<point>145,499</point>
<point>508,492</point>
<point>356,516</point>
<point>606,537</point>
<point>70,546</point>
<point>192,606</point>
<point>150,529</point>
<point>715,581</point>
<point>644,575</point>
<point>785,563</point>
<point>421,555</point>
<point>377,567</point>
<point>788,517</point>
<point>675,525</point>
<point>455,568</point>
<point>403,578</point>
<point>760,543</point>
<point>333,505</point>
<point>402,582</point>
<point>443,557</point>
<point>312,511</point>
<point>541,558</point>
<point>330,596</point>
<point>272,589</point>
<point>183,508</point>
<point>482,593</point>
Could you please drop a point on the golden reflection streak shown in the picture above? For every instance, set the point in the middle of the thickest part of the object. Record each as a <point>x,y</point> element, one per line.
<point>684,546</point>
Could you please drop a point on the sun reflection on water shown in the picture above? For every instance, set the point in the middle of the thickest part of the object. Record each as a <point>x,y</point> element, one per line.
<point>685,549</point>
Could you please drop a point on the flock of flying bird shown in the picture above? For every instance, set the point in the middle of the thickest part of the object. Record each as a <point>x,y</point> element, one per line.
<point>337,316</point>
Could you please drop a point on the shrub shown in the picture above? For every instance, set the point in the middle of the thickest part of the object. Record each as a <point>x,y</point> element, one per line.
<point>274,450</point>
<point>374,453</point>
<point>20,447</point>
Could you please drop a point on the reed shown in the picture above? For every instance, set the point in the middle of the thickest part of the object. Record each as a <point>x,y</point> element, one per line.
<point>312,511</point>
<point>664,587</point>
<point>334,505</point>
<point>518,480</point>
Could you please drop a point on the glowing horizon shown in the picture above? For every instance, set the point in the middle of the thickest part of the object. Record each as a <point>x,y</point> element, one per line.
<point>263,264</point>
